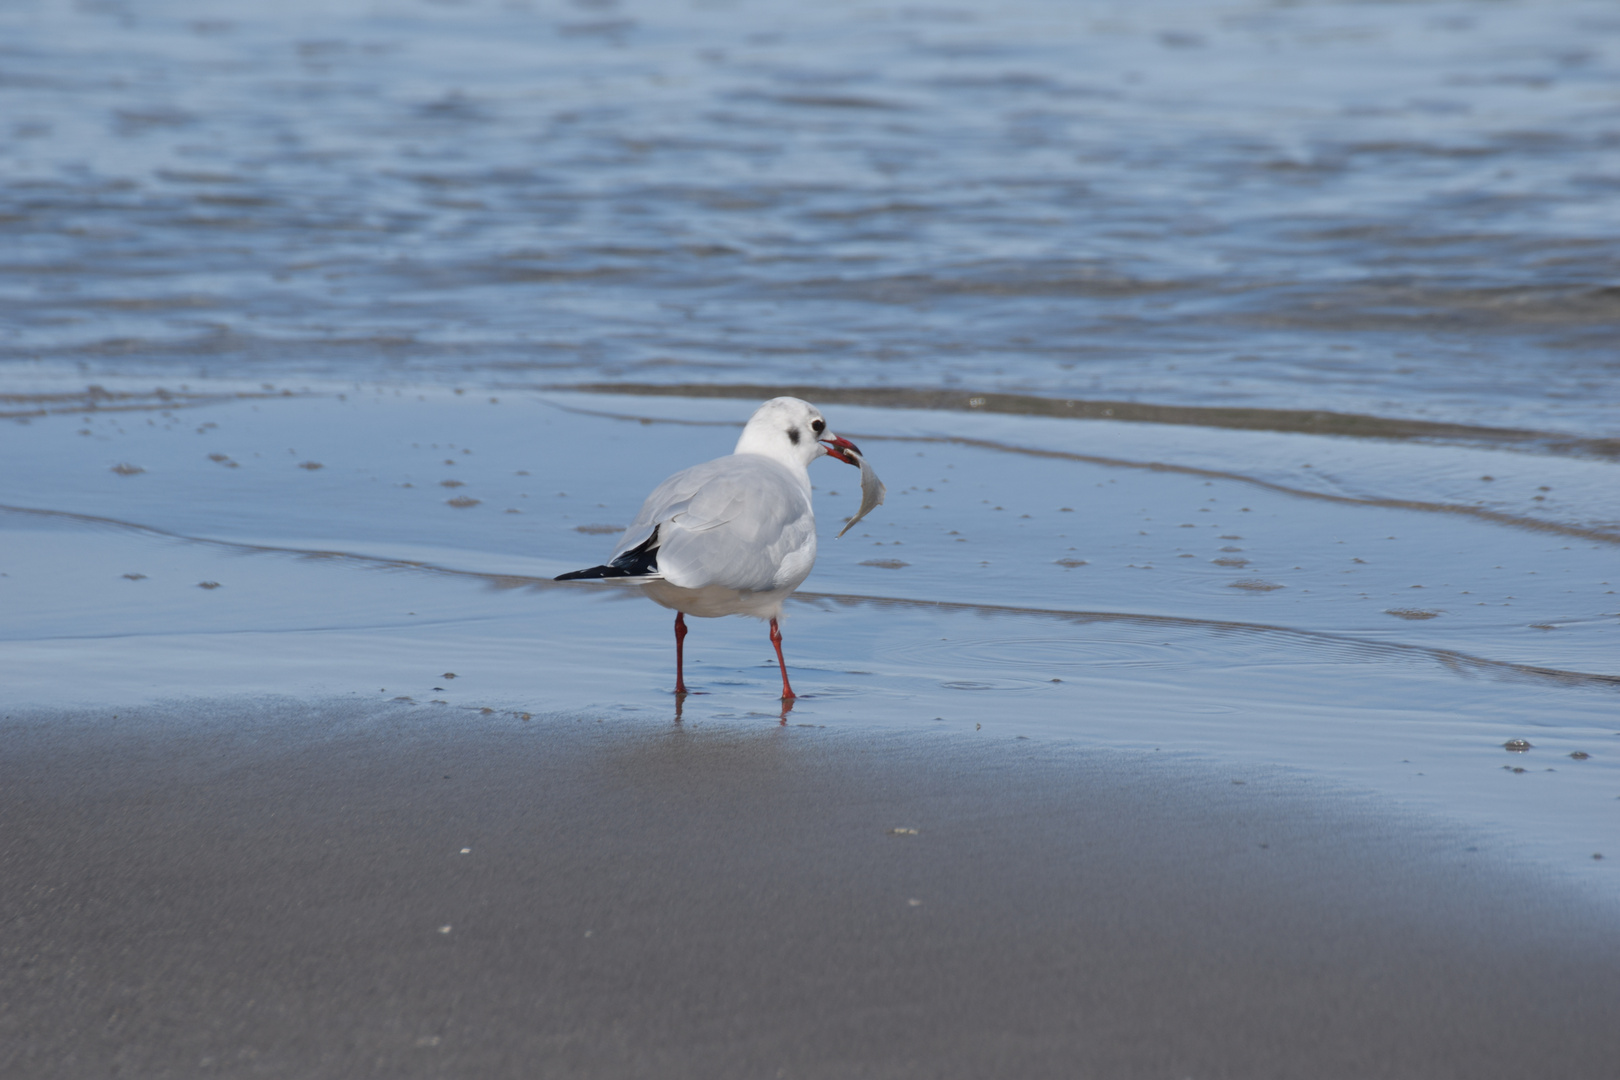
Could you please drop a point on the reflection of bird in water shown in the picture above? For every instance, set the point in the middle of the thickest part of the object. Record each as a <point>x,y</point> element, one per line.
<point>736,535</point>
<point>787,707</point>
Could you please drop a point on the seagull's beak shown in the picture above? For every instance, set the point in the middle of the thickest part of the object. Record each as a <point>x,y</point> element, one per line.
<point>836,447</point>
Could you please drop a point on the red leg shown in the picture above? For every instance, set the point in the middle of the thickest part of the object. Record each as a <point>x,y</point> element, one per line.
<point>776,639</point>
<point>680,637</point>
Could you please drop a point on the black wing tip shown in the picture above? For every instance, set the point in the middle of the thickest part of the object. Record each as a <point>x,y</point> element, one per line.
<point>639,561</point>
<point>611,570</point>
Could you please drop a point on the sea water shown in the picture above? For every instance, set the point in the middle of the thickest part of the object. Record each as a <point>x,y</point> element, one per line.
<point>1243,376</point>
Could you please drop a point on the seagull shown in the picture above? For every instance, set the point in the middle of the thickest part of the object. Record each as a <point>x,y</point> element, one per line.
<point>736,535</point>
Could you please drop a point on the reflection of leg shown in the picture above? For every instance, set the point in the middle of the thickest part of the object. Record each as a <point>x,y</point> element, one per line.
<point>776,639</point>
<point>680,637</point>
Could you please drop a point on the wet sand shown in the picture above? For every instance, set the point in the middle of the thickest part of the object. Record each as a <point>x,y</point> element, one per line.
<point>280,889</point>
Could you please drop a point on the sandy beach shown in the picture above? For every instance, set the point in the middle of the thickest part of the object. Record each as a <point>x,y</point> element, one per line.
<point>331,890</point>
<point>1227,687</point>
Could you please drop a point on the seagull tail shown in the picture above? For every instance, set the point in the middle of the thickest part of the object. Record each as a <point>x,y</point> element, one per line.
<point>640,561</point>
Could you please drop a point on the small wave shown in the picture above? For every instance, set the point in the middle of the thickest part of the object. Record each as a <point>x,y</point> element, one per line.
<point>1303,421</point>
<point>1374,305</point>
<point>95,398</point>
<point>1452,659</point>
<point>1034,281</point>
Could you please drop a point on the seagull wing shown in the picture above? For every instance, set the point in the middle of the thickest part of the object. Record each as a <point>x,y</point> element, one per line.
<point>742,522</point>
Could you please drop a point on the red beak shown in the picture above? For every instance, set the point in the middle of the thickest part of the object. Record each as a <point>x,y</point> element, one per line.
<point>836,447</point>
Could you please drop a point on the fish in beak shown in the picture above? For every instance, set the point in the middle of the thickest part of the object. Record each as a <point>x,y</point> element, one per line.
<point>842,449</point>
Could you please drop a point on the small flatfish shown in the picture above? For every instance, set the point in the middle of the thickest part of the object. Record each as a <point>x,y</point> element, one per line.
<point>872,491</point>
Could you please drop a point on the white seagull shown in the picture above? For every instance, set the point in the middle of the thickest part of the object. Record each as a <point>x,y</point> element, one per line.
<point>736,535</point>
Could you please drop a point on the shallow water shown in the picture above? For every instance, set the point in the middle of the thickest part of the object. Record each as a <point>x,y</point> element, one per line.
<point>1379,646</point>
<point>1243,376</point>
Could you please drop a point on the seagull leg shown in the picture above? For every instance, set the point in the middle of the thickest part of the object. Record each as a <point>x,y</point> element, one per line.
<point>776,639</point>
<point>680,637</point>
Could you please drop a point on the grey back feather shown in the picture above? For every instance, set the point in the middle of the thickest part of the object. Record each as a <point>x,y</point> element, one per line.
<point>743,522</point>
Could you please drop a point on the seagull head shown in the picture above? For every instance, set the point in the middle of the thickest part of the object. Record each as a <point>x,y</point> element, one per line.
<point>793,432</point>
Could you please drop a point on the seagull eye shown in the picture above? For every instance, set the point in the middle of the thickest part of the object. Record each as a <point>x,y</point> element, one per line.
<point>818,426</point>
